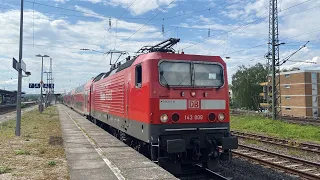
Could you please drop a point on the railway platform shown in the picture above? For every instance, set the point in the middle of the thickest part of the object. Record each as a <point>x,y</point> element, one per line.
<point>93,153</point>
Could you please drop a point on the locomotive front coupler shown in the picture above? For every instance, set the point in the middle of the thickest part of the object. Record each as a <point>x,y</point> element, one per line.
<point>212,148</point>
<point>196,154</point>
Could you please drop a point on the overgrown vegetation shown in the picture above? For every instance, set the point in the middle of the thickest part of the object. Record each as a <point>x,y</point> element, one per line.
<point>52,163</point>
<point>21,152</point>
<point>277,128</point>
<point>246,86</point>
<point>28,156</point>
<point>4,169</point>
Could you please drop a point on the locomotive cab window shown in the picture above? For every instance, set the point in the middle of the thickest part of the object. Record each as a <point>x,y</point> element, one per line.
<point>208,75</point>
<point>139,76</point>
<point>198,74</point>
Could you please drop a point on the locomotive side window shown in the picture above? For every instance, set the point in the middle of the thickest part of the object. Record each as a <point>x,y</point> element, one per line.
<point>138,76</point>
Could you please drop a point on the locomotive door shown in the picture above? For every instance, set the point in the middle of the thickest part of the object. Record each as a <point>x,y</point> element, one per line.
<point>127,89</point>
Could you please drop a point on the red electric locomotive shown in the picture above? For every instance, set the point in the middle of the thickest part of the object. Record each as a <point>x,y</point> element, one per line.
<point>176,106</point>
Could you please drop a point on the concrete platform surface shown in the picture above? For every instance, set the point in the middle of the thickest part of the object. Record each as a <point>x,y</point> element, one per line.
<point>93,153</point>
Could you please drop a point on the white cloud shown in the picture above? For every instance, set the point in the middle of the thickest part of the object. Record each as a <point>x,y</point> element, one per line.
<point>88,12</point>
<point>93,1</point>
<point>60,1</point>
<point>141,6</point>
<point>62,40</point>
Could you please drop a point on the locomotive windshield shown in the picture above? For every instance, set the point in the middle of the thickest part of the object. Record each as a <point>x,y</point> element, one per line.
<point>190,74</point>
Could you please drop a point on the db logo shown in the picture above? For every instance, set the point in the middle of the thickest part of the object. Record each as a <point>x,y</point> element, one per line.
<point>194,104</point>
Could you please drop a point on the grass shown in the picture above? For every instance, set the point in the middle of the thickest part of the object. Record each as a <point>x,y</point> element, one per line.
<point>38,147</point>
<point>276,128</point>
<point>52,163</point>
<point>21,152</point>
<point>4,169</point>
<point>252,141</point>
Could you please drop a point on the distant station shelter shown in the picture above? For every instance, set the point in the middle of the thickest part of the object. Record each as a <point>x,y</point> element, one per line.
<point>8,97</point>
<point>299,91</point>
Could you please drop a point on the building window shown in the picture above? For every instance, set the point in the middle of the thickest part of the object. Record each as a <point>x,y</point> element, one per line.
<point>288,97</point>
<point>287,86</point>
<point>288,109</point>
<point>287,75</point>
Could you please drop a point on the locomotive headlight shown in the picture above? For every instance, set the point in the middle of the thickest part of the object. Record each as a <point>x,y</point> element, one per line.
<point>164,118</point>
<point>193,93</point>
<point>221,117</point>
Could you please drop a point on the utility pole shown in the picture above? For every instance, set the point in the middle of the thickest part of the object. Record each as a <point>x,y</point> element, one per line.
<point>18,121</point>
<point>50,82</point>
<point>273,58</point>
<point>46,102</point>
<point>41,82</point>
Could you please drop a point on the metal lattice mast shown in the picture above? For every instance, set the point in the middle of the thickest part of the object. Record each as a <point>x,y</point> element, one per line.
<point>273,59</point>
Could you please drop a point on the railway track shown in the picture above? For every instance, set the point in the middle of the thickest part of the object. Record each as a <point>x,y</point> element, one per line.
<point>200,173</point>
<point>12,107</point>
<point>189,173</point>
<point>307,121</point>
<point>314,148</point>
<point>291,165</point>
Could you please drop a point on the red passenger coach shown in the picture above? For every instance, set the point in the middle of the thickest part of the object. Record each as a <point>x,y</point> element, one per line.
<point>175,106</point>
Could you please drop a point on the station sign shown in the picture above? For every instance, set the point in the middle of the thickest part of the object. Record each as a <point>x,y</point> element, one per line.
<point>34,85</point>
<point>23,66</point>
<point>15,65</point>
<point>38,85</point>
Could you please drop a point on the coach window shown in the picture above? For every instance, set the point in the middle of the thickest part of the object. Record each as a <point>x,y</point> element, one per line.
<point>138,76</point>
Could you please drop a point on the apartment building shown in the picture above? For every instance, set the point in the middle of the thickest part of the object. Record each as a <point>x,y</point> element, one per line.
<point>299,93</point>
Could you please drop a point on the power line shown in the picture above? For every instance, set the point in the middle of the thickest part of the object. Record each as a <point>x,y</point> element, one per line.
<point>66,9</point>
<point>146,23</point>
<point>244,25</point>
<point>295,5</point>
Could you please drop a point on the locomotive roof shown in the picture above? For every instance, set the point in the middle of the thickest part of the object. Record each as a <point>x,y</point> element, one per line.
<point>156,55</point>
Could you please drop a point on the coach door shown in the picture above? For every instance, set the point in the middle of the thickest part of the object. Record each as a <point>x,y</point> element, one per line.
<point>86,102</point>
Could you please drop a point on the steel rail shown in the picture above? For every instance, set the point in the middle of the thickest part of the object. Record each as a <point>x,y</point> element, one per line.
<point>314,148</point>
<point>287,168</point>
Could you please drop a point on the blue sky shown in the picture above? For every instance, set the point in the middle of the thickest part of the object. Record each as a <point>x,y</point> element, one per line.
<point>60,28</point>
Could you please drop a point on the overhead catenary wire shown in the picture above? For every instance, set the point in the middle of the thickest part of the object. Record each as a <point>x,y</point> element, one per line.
<point>244,25</point>
<point>146,23</point>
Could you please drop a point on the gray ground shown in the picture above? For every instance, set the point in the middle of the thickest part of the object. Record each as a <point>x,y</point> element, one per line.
<point>12,115</point>
<point>240,169</point>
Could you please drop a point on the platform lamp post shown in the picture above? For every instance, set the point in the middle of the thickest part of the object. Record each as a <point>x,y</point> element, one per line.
<point>18,121</point>
<point>41,82</point>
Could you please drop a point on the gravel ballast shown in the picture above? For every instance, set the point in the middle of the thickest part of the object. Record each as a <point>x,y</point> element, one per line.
<point>240,169</point>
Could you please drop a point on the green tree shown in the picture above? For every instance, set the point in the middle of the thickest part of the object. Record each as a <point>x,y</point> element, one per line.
<point>246,86</point>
